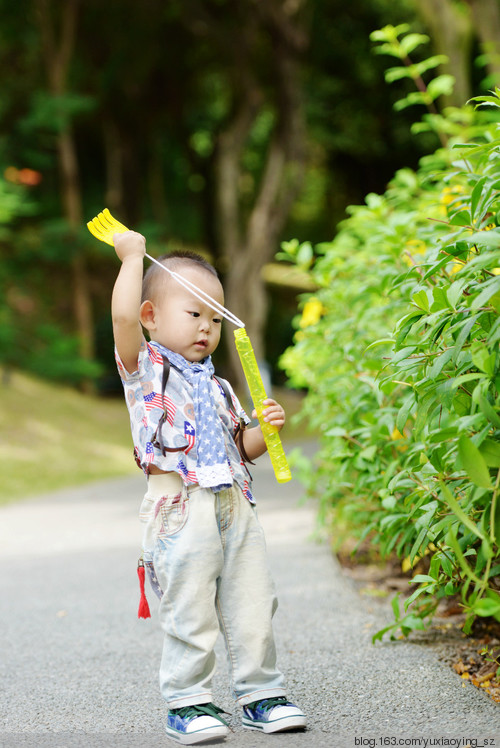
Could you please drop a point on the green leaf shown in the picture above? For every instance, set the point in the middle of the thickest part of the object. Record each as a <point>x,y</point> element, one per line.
<point>336,431</point>
<point>483,358</point>
<point>464,334</point>
<point>422,535</point>
<point>420,578</point>
<point>461,218</point>
<point>435,266</point>
<point>377,343</point>
<point>496,522</point>
<point>305,255</point>
<point>402,354</point>
<point>439,363</point>
<point>459,512</point>
<point>421,300</point>
<point>419,591</point>
<point>439,299</point>
<point>410,42</point>
<point>413,99</point>
<point>389,32</point>
<point>369,453</point>
<point>441,86</point>
<point>484,238</point>
<point>455,291</point>
<point>488,100</point>
<point>396,74</point>
<point>404,412</point>
<point>491,288</point>
<point>486,606</point>
<point>430,63</point>
<point>395,606</point>
<point>476,195</point>
<point>488,410</point>
<point>475,467</point>
<point>490,451</point>
<point>411,622</point>
<point>452,541</point>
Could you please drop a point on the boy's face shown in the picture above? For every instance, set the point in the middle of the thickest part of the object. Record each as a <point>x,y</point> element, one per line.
<point>180,321</point>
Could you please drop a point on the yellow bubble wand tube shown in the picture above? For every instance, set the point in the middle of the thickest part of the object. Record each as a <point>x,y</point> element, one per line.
<point>258,394</point>
<point>103,226</point>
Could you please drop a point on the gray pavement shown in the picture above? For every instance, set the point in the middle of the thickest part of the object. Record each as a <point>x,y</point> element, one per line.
<point>78,668</point>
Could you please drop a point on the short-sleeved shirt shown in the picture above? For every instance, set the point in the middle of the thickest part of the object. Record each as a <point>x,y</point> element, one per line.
<point>146,404</point>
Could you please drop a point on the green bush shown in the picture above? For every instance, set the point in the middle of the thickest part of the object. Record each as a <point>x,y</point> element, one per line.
<point>399,352</point>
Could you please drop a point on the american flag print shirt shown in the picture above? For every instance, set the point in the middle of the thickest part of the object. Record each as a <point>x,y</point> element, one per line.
<point>143,395</point>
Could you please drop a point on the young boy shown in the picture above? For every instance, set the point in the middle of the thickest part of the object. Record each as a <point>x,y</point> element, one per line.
<point>202,539</point>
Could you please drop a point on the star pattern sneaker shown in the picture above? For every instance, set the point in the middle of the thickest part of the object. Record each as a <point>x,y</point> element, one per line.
<point>273,715</point>
<point>196,724</point>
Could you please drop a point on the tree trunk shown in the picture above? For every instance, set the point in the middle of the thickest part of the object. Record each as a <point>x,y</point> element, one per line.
<point>451,32</point>
<point>73,210</point>
<point>57,54</point>
<point>486,19</point>
<point>247,245</point>
<point>114,167</point>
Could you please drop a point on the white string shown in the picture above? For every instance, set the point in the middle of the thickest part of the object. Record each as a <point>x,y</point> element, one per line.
<point>201,295</point>
<point>106,221</point>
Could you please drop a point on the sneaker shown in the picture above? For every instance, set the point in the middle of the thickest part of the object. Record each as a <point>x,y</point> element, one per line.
<point>273,715</point>
<point>195,724</point>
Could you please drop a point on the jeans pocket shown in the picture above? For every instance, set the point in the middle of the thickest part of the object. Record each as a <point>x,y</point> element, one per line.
<point>146,510</point>
<point>172,512</point>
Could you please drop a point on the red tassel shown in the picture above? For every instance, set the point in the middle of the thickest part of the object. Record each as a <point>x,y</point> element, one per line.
<point>144,611</point>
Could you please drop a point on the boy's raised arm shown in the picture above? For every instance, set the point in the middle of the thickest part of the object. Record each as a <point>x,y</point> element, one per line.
<point>126,299</point>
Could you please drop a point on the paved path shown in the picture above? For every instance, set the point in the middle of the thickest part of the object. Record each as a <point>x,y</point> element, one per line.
<point>78,668</point>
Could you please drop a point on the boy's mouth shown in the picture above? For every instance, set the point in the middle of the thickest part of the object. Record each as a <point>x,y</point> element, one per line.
<point>201,343</point>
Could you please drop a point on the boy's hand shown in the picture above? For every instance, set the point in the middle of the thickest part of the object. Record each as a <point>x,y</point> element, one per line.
<point>273,413</point>
<point>128,244</point>
<point>253,438</point>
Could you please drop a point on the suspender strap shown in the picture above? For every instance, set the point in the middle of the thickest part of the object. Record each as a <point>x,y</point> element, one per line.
<point>240,428</point>
<point>158,435</point>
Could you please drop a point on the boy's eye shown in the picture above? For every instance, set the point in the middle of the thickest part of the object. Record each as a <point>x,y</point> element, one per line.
<point>217,320</point>
<point>194,314</point>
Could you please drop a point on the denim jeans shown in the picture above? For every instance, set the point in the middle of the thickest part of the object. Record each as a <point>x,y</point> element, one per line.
<point>209,556</point>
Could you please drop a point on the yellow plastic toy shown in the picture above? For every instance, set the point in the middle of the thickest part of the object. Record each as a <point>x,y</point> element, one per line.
<point>103,226</point>
<point>258,393</point>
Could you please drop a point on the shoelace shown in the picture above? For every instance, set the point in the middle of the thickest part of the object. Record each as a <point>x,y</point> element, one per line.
<point>267,704</point>
<point>197,710</point>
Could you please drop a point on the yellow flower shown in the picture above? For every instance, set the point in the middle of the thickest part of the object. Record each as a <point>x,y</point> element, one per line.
<point>312,312</point>
<point>406,565</point>
<point>450,193</point>
<point>456,267</point>
<point>416,247</point>
<point>413,247</point>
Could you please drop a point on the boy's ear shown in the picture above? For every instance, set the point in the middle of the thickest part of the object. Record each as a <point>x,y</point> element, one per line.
<point>147,315</point>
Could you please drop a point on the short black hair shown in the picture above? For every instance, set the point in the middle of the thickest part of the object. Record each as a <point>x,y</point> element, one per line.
<point>174,261</point>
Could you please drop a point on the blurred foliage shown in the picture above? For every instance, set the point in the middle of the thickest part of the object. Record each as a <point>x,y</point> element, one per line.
<point>398,351</point>
<point>149,88</point>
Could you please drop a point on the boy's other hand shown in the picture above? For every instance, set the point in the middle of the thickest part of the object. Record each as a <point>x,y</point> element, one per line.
<point>129,243</point>
<point>273,413</point>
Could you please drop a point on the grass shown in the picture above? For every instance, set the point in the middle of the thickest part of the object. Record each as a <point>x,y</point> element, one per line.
<point>52,436</point>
